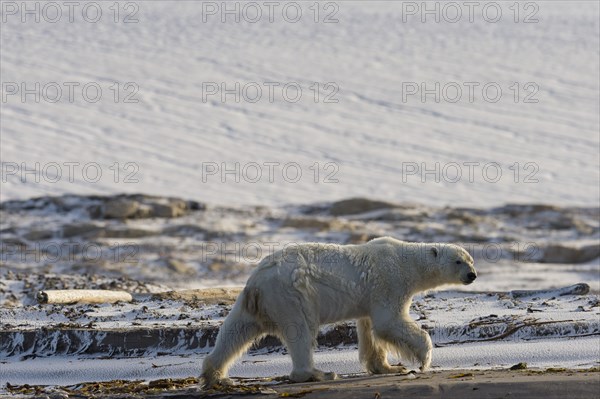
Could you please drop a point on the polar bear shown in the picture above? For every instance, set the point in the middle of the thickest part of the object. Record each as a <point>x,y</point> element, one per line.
<point>295,290</point>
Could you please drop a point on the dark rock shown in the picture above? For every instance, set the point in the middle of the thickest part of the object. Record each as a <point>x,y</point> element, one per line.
<point>11,241</point>
<point>412,215</point>
<point>354,206</point>
<point>37,235</point>
<point>196,206</point>
<point>519,366</point>
<point>314,209</point>
<point>128,232</point>
<point>524,209</point>
<point>172,209</point>
<point>557,253</point>
<point>184,230</point>
<point>95,211</point>
<point>464,217</point>
<point>312,223</point>
<point>120,208</point>
<point>82,229</point>
<point>179,266</point>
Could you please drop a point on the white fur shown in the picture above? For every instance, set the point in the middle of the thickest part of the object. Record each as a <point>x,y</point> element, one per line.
<point>294,291</point>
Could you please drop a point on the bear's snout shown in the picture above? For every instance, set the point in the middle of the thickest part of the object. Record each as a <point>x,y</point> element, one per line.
<point>468,276</point>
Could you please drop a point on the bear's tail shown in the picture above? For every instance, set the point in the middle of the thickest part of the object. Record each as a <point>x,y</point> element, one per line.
<point>251,300</point>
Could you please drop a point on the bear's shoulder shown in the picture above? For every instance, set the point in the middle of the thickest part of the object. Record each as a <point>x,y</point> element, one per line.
<point>386,240</point>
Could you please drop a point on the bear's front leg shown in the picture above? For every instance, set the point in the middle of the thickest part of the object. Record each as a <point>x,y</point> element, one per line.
<point>406,336</point>
<point>372,352</point>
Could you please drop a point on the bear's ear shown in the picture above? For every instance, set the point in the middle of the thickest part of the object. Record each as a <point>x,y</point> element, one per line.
<point>434,251</point>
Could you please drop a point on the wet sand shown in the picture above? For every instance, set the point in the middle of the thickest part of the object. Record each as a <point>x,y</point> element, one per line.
<point>547,383</point>
<point>462,384</point>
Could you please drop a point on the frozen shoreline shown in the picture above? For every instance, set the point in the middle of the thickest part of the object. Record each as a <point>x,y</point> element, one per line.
<point>577,353</point>
<point>487,327</point>
<point>460,341</point>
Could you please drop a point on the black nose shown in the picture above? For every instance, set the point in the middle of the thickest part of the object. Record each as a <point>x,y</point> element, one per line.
<point>471,276</point>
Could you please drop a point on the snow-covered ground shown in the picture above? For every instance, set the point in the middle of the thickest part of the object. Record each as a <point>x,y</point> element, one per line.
<point>375,140</point>
<point>163,125</point>
<point>479,331</point>
<point>572,353</point>
<point>515,247</point>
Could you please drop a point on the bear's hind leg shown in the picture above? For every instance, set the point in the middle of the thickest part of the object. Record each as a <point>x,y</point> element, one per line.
<point>299,336</point>
<point>235,336</point>
<point>301,347</point>
<point>373,355</point>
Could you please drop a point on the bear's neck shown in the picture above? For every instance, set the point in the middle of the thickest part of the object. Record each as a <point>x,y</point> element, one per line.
<point>428,279</point>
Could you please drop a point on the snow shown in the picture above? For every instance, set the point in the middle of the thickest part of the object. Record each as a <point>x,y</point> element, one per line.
<point>468,331</point>
<point>376,141</point>
<point>368,141</point>
<point>572,353</point>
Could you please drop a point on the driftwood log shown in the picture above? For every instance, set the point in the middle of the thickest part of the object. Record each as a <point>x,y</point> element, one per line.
<point>82,296</point>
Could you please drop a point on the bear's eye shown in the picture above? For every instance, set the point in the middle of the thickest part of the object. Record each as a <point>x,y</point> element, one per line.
<point>458,262</point>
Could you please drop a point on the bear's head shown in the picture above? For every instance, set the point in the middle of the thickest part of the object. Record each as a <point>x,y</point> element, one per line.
<point>453,264</point>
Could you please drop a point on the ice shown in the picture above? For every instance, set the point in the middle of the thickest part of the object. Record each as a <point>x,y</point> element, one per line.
<point>166,139</point>
<point>573,353</point>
